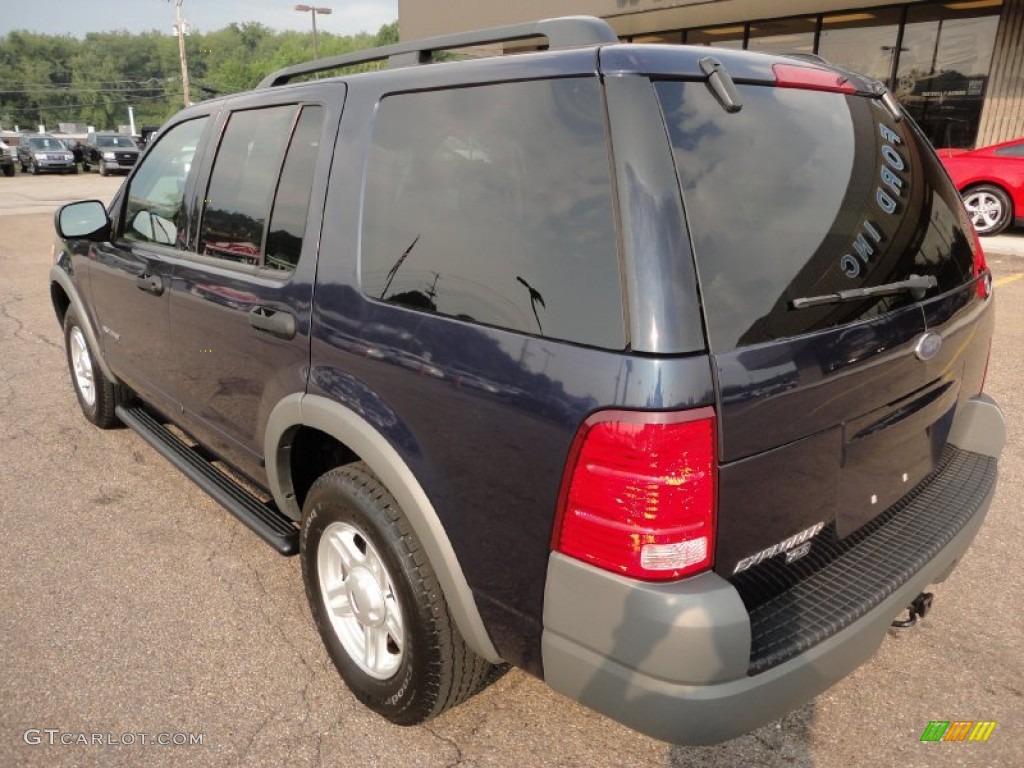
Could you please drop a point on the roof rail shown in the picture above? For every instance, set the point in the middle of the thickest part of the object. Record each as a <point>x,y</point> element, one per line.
<point>564,32</point>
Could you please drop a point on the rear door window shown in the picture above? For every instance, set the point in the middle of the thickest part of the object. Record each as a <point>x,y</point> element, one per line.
<point>493,205</point>
<point>258,198</point>
<point>804,193</point>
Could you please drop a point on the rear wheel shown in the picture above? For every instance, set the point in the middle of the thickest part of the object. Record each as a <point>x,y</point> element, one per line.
<point>97,395</point>
<point>989,207</point>
<point>377,602</point>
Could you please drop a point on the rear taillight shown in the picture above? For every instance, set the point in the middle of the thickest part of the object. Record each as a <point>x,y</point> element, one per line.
<point>981,273</point>
<point>639,494</point>
<point>811,79</point>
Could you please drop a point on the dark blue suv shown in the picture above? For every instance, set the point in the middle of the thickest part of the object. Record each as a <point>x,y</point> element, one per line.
<point>655,371</point>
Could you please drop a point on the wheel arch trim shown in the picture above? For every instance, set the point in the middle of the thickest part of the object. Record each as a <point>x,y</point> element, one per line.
<point>62,279</point>
<point>350,429</point>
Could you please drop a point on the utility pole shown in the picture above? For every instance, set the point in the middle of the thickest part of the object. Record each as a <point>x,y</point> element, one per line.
<point>180,29</point>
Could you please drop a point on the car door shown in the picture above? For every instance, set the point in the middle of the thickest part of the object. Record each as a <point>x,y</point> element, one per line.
<point>130,276</point>
<point>240,307</point>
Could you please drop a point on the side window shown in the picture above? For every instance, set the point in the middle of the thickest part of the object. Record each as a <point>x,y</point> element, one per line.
<point>154,211</point>
<point>288,218</point>
<point>493,204</point>
<point>244,180</point>
<point>1014,150</point>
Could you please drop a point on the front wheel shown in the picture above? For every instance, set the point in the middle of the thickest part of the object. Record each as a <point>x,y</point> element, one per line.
<point>9,170</point>
<point>377,603</point>
<point>989,207</point>
<point>103,169</point>
<point>96,394</point>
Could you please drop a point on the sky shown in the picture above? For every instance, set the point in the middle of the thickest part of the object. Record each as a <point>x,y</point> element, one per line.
<point>76,17</point>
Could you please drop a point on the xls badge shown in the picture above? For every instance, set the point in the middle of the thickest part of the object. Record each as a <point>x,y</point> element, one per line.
<point>791,546</point>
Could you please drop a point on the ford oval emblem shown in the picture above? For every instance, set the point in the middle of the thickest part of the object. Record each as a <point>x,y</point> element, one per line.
<point>928,346</point>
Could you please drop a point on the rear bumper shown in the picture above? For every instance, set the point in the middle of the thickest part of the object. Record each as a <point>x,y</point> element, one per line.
<point>674,660</point>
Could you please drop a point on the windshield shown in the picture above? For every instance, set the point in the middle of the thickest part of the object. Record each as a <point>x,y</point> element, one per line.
<point>46,143</point>
<point>807,193</point>
<point>121,142</point>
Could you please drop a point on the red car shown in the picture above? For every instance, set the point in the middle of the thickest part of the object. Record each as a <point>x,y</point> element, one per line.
<point>991,181</point>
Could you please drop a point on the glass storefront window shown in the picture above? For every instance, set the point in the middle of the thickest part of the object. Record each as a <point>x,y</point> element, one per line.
<point>861,41</point>
<point>944,65</point>
<point>717,37</point>
<point>783,36</point>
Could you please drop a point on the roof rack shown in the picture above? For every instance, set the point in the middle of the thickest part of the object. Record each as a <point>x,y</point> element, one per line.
<point>564,32</point>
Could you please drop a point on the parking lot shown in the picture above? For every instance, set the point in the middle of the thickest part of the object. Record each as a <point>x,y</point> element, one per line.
<point>130,603</point>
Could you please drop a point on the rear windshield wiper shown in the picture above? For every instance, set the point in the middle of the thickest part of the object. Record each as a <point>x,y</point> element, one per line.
<point>915,284</point>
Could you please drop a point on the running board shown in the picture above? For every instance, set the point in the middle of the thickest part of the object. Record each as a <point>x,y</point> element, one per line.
<point>263,520</point>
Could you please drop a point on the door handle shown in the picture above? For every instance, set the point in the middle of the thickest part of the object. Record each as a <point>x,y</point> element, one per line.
<point>276,322</point>
<point>150,283</point>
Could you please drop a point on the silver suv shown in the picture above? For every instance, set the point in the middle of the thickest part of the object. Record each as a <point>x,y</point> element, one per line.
<point>41,152</point>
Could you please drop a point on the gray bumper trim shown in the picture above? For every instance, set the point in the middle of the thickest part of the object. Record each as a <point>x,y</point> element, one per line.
<point>694,713</point>
<point>979,427</point>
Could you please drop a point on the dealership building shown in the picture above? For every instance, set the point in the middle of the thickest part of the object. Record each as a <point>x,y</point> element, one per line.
<point>957,66</point>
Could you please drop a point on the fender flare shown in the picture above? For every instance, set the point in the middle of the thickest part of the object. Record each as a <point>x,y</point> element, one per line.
<point>63,279</point>
<point>350,429</point>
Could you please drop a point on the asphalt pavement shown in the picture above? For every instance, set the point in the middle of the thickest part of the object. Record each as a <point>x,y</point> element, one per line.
<point>131,605</point>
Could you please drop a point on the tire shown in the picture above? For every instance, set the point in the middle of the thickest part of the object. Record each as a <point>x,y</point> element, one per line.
<point>8,170</point>
<point>33,168</point>
<point>97,395</point>
<point>103,170</point>
<point>85,165</point>
<point>989,207</point>
<point>389,631</point>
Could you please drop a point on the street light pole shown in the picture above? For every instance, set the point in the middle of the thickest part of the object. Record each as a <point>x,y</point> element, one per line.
<point>314,10</point>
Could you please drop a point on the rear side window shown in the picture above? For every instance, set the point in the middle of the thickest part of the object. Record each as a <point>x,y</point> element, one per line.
<point>248,179</point>
<point>805,193</point>
<point>493,204</point>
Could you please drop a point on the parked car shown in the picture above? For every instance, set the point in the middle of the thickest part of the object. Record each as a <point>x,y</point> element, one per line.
<point>675,393</point>
<point>109,152</point>
<point>991,181</point>
<point>41,152</point>
<point>6,159</point>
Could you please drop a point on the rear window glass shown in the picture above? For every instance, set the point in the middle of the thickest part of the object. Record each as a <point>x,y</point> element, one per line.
<point>805,193</point>
<point>493,205</point>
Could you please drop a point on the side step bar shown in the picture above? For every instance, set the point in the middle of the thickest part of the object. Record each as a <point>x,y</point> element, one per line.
<point>263,520</point>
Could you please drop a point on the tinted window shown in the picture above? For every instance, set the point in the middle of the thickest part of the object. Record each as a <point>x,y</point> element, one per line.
<point>242,184</point>
<point>1014,150</point>
<point>155,208</point>
<point>804,193</point>
<point>288,220</point>
<point>122,142</point>
<point>493,204</point>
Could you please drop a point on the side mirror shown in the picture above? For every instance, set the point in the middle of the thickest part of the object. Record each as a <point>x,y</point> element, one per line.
<point>86,220</point>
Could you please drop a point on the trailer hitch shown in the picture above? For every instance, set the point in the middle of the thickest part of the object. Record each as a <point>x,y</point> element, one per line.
<point>918,609</point>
